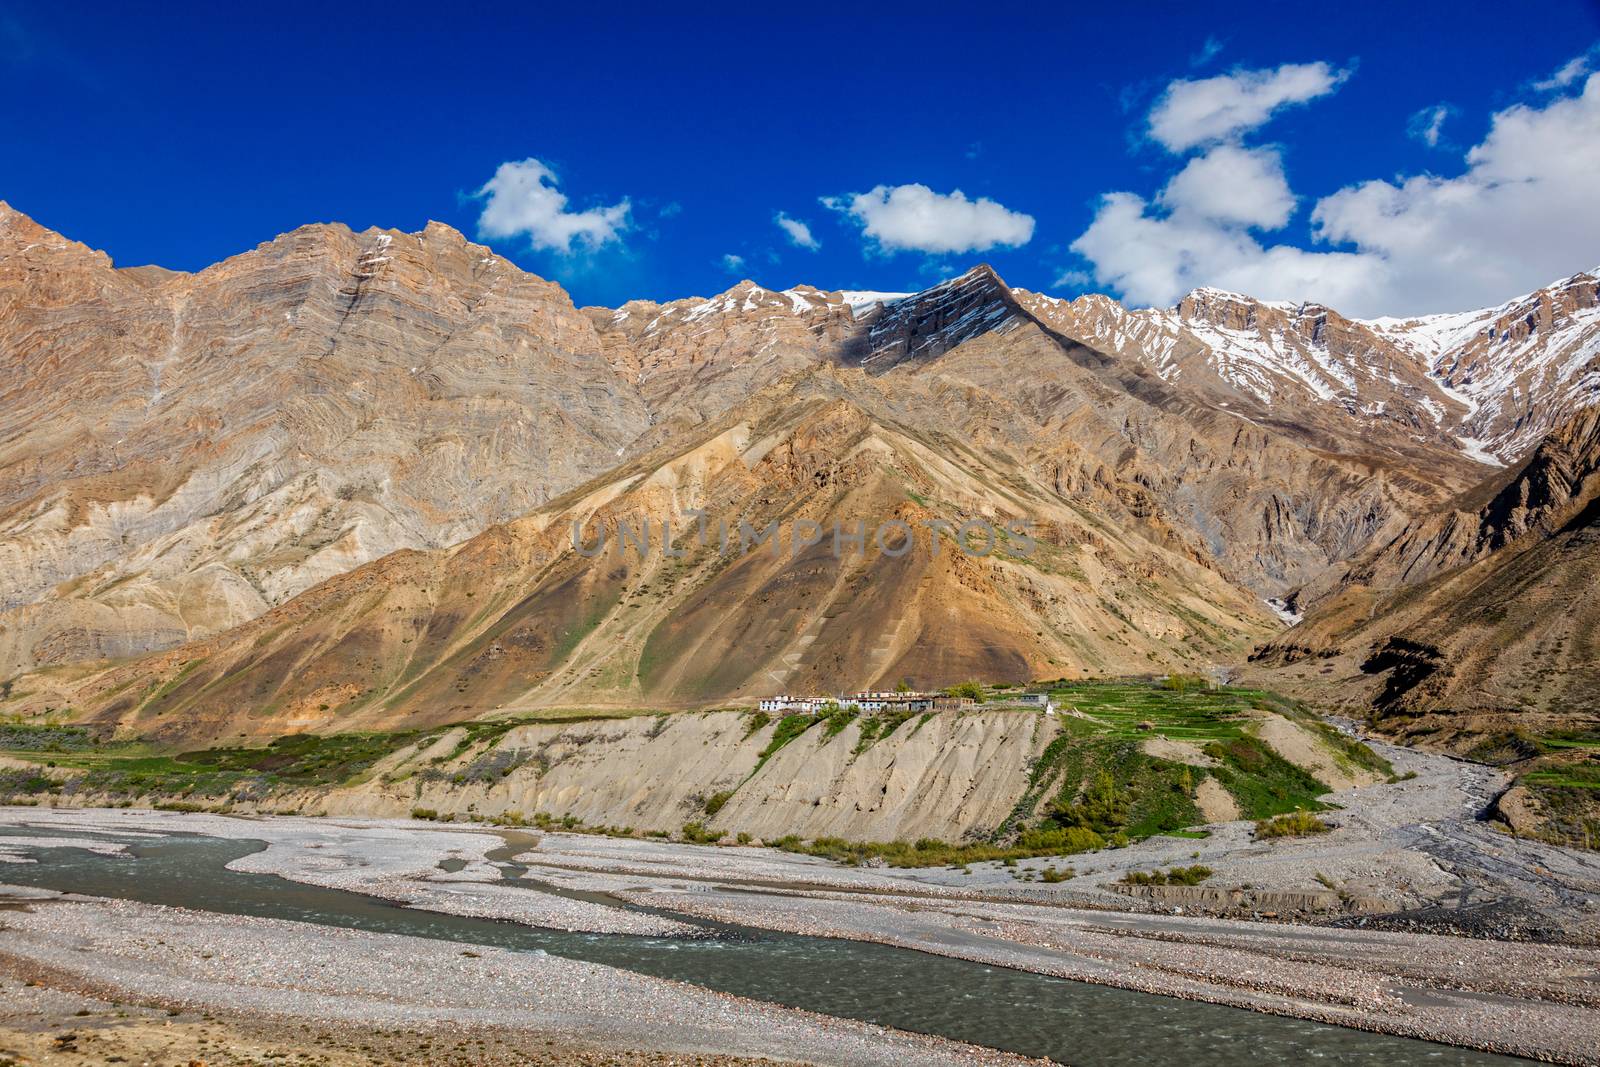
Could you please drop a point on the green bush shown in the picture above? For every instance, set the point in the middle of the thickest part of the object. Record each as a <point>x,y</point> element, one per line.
<point>972,690</point>
<point>1186,683</point>
<point>1294,824</point>
<point>1066,839</point>
<point>1176,876</point>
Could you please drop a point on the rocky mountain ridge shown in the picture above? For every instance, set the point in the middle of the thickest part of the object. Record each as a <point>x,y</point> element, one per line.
<point>187,454</point>
<point>1490,382</point>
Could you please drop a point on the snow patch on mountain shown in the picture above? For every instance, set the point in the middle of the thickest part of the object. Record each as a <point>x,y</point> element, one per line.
<point>863,300</point>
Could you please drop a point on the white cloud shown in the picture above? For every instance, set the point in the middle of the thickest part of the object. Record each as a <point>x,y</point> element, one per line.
<point>1519,216</point>
<point>732,264</point>
<point>1569,72</point>
<point>522,200</point>
<point>915,218</point>
<point>1207,53</point>
<point>1228,184</point>
<point>799,233</point>
<point>1426,125</point>
<point>1155,259</point>
<point>1204,236</point>
<point>1194,113</point>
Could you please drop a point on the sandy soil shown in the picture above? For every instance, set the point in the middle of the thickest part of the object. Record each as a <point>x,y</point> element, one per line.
<point>41,1024</point>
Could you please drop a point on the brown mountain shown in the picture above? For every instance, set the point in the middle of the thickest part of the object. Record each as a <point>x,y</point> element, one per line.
<point>334,476</point>
<point>515,617</point>
<point>184,451</point>
<point>1478,619</point>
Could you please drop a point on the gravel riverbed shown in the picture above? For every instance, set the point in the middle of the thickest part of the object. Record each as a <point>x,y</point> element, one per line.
<point>1402,848</point>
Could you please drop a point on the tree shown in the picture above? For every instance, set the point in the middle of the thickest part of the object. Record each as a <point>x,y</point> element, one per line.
<point>972,690</point>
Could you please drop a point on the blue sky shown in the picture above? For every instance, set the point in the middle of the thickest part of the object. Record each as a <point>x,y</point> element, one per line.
<point>173,136</point>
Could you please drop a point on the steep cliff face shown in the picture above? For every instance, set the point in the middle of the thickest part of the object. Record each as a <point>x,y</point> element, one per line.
<point>1486,385</point>
<point>694,359</point>
<point>1521,368</point>
<point>1273,499</point>
<point>952,777</point>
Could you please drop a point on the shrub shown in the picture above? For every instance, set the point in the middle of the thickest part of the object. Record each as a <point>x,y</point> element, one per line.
<point>696,833</point>
<point>715,801</point>
<point>1299,823</point>
<point>1063,839</point>
<point>1103,808</point>
<point>1176,876</point>
<point>1186,683</point>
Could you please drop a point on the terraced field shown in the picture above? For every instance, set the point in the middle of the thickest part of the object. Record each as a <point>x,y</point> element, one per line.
<point>1137,709</point>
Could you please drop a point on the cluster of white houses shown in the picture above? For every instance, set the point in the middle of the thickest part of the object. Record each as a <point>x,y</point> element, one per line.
<point>872,700</point>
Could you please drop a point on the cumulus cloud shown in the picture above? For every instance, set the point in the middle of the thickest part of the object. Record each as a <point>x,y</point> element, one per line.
<point>915,218</point>
<point>1191,113</point>
<point>522,200</point>
<point>1243,186</point>
<point>799,233</point>
<point>1155,258</point>
<point>733,264</point>
<point>1518,216</point>
<point>1428,124</point>
<point>1198,232</point>
<point>1521,215</point>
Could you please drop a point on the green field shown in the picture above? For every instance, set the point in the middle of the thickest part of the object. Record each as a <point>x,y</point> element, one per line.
<point>1194,715</point>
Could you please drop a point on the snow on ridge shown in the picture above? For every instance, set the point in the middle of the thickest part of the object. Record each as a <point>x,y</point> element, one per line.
<point>860,300</point>
<point>1244,298</point>
<point>800,303</point>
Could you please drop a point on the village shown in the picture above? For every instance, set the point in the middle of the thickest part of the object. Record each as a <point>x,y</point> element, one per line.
<point>909,701</point>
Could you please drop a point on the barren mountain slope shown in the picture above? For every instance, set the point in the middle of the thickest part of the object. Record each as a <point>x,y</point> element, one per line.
<point>1522,368</point>
<point>180,452</point>
<point>183,452</point>
<point>1274,502</point>
<point>517,617</point>
<point>695,358</point>
<point>1499,633</point>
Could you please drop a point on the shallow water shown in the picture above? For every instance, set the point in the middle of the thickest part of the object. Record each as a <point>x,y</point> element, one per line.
<point>1073,1022</point>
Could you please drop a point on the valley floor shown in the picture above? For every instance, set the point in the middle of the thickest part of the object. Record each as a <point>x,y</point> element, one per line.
<point>1404,859</point>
